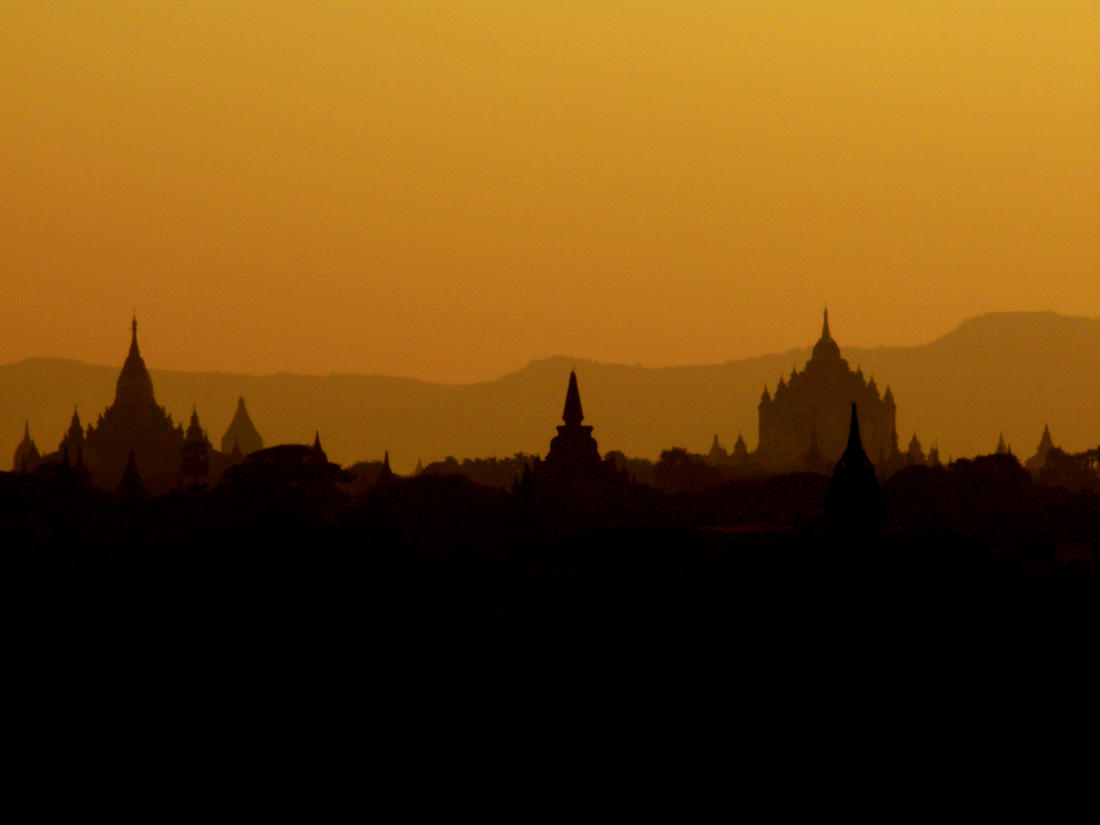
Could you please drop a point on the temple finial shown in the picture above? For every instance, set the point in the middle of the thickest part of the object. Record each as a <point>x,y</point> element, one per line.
<point>825,325</point>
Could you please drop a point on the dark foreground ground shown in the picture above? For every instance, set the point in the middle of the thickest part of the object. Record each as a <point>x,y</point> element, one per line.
<point>444,555</point>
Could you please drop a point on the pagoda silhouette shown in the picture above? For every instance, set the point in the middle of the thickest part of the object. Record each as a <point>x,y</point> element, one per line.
<point>134,423</point>
<point>136,435</point>
<point>573,449</point>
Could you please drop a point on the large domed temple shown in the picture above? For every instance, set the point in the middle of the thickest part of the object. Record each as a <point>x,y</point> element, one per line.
<point>134,422</point>
<point>136,429</point>
<point>810,412</point>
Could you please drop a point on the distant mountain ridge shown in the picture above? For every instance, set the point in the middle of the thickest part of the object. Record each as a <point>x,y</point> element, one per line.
<point>1010,372</point>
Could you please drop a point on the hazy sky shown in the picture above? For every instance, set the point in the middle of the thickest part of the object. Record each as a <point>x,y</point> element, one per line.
<point>447,190</point>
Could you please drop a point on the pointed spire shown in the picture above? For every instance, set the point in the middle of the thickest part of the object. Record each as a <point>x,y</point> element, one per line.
<point>134,352</point>
<point>317,440</point>
<point>1046,442</point>
<point>195,432</point>
<point>854,441</point>
<point>765,396</point>
<point>242,431</point>
<point>826,349</point>
<point>134,386</point>
<point>26,429</point>
<point>387,474</point>
<point>853,501</point>
<point>573,415</point>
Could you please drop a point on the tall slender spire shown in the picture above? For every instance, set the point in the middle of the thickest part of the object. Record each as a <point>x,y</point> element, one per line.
<point>134,384</point>
<point>134,351</point>
<point>573,415</point>
<point>386,474</point>
<point>854,441</point>
<point>853,501</point>
<point>826,349</point>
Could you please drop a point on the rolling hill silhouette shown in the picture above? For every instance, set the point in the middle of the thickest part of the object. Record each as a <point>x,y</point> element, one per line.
<point>1009,372</point>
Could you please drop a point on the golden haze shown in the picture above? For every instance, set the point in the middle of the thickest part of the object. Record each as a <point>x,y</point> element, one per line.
<point>447,190</point>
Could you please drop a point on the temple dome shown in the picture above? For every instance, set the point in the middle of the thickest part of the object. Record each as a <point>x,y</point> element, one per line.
<point>826,348</point>
<point>134,386</point>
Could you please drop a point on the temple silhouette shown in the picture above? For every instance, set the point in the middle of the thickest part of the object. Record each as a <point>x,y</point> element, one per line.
<point>573,449</point>
<point>133,423</point>
<point>573,468</point>
<point>26,454</point>
<point>136,435</point>
<point>804,425</point>
<point>242,434</point>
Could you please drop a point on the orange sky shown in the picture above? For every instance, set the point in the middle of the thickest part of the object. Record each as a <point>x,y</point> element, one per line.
<point>447,190</point>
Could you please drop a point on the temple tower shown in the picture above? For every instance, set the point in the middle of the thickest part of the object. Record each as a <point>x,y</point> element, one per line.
<point>573,447</point>
<point>854,504</point>
<point>1036,463</point>
<point>26,454</point>
<point>914,454</point>
<point>195,459</point>
<point>135,424</point>
<point>242,432</point>
<point>812,406</point>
